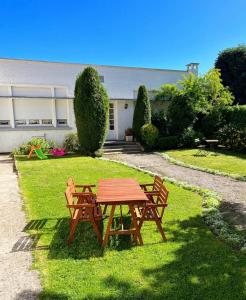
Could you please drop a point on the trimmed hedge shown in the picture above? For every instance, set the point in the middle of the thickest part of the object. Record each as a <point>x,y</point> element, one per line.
<point>168,142</point>
<point>142,112</point>
<point>91,106</point>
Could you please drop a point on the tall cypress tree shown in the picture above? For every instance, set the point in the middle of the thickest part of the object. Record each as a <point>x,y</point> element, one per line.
<point>142,112</point>
<point>91,105</point>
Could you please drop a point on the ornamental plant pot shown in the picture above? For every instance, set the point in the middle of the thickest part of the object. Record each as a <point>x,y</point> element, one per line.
<point>129,138</point>
<point>129,135</point>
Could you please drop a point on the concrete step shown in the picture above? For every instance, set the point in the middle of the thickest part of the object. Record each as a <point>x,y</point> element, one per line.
<point>118,147</point>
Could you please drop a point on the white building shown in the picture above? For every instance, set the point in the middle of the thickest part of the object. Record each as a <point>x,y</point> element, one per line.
<point>36,97</point>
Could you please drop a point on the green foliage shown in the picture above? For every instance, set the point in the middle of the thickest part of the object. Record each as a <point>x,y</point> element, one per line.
<point>168,142</point>
<point>233,137</point>
<point>159,119</point>
<point>236,115</point>
<point>166,92</point>
<point>71,142</point>
<point>198,97</point>
<point>232,63</point>
<point>189,136</point>
<point>91,106</point>
<point>25,148</point>
<point>181,114</point>
<point>149,134</point>
<point>142,112</point>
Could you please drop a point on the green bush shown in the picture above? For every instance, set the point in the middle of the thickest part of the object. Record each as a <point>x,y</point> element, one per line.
<point>71,142</point>
<point>189,136</point>
<point>149,134</point>
<point>233,137</point>
<point>91,108</point>
<point>168,142</point>
<point>25,148</point>
<point>159,119</point>
<point>232,63</point>
<point>181,114</point>
<point>142,111</point>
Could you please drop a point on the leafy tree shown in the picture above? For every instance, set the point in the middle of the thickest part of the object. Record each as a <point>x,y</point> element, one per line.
<point>232,63</point>
<point>91,105</point>
<point>142,112</point>
<point>166,92</point>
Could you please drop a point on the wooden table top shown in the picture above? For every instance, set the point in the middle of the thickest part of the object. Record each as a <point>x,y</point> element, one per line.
<point>211,141</point>
<point>119,191</point>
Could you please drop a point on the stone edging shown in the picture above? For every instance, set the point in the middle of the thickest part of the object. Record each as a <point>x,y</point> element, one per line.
<point>210,209</point>
<point>211,171</point>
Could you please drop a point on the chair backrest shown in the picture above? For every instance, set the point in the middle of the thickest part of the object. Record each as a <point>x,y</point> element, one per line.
<point>158,183</point>
<point>71,184</point>
<point>162,197</point>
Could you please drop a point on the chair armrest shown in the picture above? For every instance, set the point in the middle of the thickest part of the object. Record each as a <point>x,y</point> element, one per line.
<point>85,185</point>
<point>84,205</point>
<point>78,194</point>
<point>146,184</point>
<point>152,193</point>
<point>155,205</point>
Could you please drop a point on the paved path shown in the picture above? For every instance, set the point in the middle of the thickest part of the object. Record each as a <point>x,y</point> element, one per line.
<point>233,192</point>
<point>17,281</point>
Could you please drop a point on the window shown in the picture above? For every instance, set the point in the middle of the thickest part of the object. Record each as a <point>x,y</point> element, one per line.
<point>20,122</point>
<point>101,79</point>
<point>4,123</point>
<point>111,116</point>
<point>47,122</point>
<point>61,122</point>
<point>34,122</point>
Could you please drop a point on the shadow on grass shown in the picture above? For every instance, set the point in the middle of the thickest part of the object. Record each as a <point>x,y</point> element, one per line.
<point>201,268</point>
<point>226,152</point>
<point>29,294</point>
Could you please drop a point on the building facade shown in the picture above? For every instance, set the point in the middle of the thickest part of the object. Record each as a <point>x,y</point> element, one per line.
<point>36,97</point>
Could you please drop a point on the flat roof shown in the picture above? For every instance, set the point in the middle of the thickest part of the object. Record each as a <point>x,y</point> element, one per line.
<point>94,65</point>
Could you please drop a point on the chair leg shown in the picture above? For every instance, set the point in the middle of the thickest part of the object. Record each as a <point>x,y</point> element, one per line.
<point>158,224</point>
<point>96,229</point>
<point>105,209</point>
<point>73,226</point>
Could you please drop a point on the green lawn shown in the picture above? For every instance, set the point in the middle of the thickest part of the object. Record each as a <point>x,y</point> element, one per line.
<point>192,264</point>
<point>228,162</point>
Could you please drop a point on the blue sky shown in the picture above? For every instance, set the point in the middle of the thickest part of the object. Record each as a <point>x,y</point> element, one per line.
<point>147,33</point>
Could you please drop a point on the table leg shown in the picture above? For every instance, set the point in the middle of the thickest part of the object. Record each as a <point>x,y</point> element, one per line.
<point>135,224</point>
<point>111,216</point>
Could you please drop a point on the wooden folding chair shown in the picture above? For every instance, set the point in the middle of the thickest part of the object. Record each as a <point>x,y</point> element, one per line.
<point>83,208</point>
<point>152,187</point>
<point>84,187</point>
<point>154,208</point>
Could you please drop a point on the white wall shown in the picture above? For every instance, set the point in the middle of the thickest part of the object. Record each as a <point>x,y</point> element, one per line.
<point>11,139</point>
<point>125,117</point>
<point>120,82</point>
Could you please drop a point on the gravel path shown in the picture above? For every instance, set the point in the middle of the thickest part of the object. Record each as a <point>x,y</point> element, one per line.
<point>17,281</point>
<point>233,192</point>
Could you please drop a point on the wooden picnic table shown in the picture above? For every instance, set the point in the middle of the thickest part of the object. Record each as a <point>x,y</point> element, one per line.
<point>212,143</point>
<point>117,192</point>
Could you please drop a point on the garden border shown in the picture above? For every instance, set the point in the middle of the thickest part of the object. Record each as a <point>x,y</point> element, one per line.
<point>207,170</point>
<point>210,209</point>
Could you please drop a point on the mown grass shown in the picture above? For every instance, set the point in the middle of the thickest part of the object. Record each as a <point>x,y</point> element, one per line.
<point>192,264</point>
<point>223,161</point>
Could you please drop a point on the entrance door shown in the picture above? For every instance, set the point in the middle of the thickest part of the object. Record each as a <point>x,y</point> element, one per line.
<point>112,129</point>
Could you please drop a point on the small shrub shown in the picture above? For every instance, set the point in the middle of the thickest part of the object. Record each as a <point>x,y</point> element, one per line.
<point>168,142</point>
<point>189,136</point>
<point>25,148</point>
<point>71,142</point>
<point>233,137</point>
<point>149,134</point>
<point>129,132</point>
<point>159,119</point>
